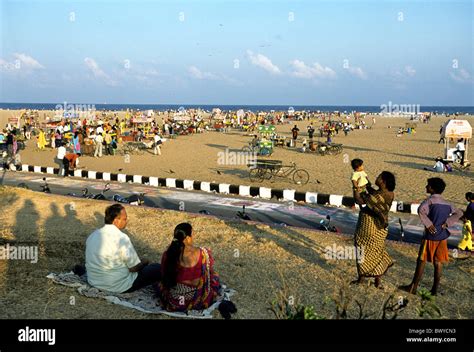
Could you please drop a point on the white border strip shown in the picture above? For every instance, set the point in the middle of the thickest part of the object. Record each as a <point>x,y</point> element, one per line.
<point>188,185</point>
<point>224,188</point>
<point>122,178</point>
<point>335,200</point>
<point>137,179</point>
<point>154,181</point>
<point>171,182</point>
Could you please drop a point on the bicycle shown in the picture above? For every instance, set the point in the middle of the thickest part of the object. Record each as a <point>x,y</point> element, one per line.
<point>271,169</point>
<point>133,148</point>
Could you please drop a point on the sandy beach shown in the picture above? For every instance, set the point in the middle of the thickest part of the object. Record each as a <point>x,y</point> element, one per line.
<point>196,157</point>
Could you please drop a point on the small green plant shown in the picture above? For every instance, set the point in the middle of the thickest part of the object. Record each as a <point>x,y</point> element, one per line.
<point>302,312</point>
<point>284,310</point>
<point>428,305</point>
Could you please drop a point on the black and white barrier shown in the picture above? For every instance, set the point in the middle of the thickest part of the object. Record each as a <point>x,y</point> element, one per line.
<point>289,195</point>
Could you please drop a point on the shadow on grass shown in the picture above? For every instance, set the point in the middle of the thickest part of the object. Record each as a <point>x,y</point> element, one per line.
<point>300,246</point>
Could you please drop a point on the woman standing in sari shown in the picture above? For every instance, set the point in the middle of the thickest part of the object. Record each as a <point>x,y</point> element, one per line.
<point>372,229</point>
<point>41,140</point>
<point>188,277</point>
<point>76,143</point>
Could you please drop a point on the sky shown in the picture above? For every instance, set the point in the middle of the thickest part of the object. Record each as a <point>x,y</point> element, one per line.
<point>237,52</point>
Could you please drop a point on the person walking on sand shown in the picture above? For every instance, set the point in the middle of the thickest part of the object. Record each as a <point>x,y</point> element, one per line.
<point>437,215</point>
<point>60,159</point>
<point>294,132</point>
<point>98,140</point>
<point>41,140</point>
<point>157,144</point>
<point>441,138</point>
<point>76,143</point>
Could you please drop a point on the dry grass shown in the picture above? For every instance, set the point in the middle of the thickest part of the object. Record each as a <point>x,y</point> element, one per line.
<point>256,260</point>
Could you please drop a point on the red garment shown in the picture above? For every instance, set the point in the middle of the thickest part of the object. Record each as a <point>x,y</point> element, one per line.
<point>191,273</point>
<point>72,160</point>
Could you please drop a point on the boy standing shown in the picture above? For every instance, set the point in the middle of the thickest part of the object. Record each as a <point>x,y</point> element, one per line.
<point>437,215</point>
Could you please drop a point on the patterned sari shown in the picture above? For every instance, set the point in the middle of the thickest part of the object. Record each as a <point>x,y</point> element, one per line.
<point>184,297</point>
<point>369,238</point>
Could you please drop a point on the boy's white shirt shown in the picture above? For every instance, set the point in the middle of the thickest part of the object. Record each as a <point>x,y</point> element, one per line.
<point>360,177</point>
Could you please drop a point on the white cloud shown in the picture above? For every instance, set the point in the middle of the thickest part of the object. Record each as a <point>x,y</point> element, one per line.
<point>301,70</point>
<point>460,75</point>
<point>410,71</point>
<point>27,61</point>
<point>358,72</point>
<point>22,64</point>
<point>98,72</point>
<point>403,75</point>
<point>263,62</point>
<point>198,74</point>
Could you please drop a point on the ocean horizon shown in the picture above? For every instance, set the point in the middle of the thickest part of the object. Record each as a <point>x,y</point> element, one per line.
<point>164,107</point>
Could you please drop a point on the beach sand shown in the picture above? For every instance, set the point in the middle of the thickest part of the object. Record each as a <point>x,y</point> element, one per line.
<point>195,157</point>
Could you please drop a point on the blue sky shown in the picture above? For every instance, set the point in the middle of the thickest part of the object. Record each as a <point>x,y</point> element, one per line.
<point>237,52</point>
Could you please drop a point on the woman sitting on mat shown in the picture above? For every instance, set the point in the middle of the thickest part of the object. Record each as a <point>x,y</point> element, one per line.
<point>189,281</point>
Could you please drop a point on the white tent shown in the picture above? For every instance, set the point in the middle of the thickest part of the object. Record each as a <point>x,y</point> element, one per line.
<point>181,118</point>
<point>456,129</point>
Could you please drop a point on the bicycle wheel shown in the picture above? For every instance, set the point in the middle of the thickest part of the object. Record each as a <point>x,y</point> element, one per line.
<point>300,177</point>
<point>257,175</point>
<point>126,149</point>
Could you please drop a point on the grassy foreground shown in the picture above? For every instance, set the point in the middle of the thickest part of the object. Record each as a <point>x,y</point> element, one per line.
<point>263,264</point>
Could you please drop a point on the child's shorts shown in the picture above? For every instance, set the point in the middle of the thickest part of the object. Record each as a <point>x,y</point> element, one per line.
<point>434,251</point>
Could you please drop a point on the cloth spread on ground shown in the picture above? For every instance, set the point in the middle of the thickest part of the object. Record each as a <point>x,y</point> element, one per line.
<point>143,300</point>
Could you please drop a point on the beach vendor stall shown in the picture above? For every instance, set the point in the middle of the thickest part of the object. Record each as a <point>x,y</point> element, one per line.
<point>458,132</point>
<point>181,124</point>
<point>266,131</point>
<point>218,119</point>
<point>140,123</point>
